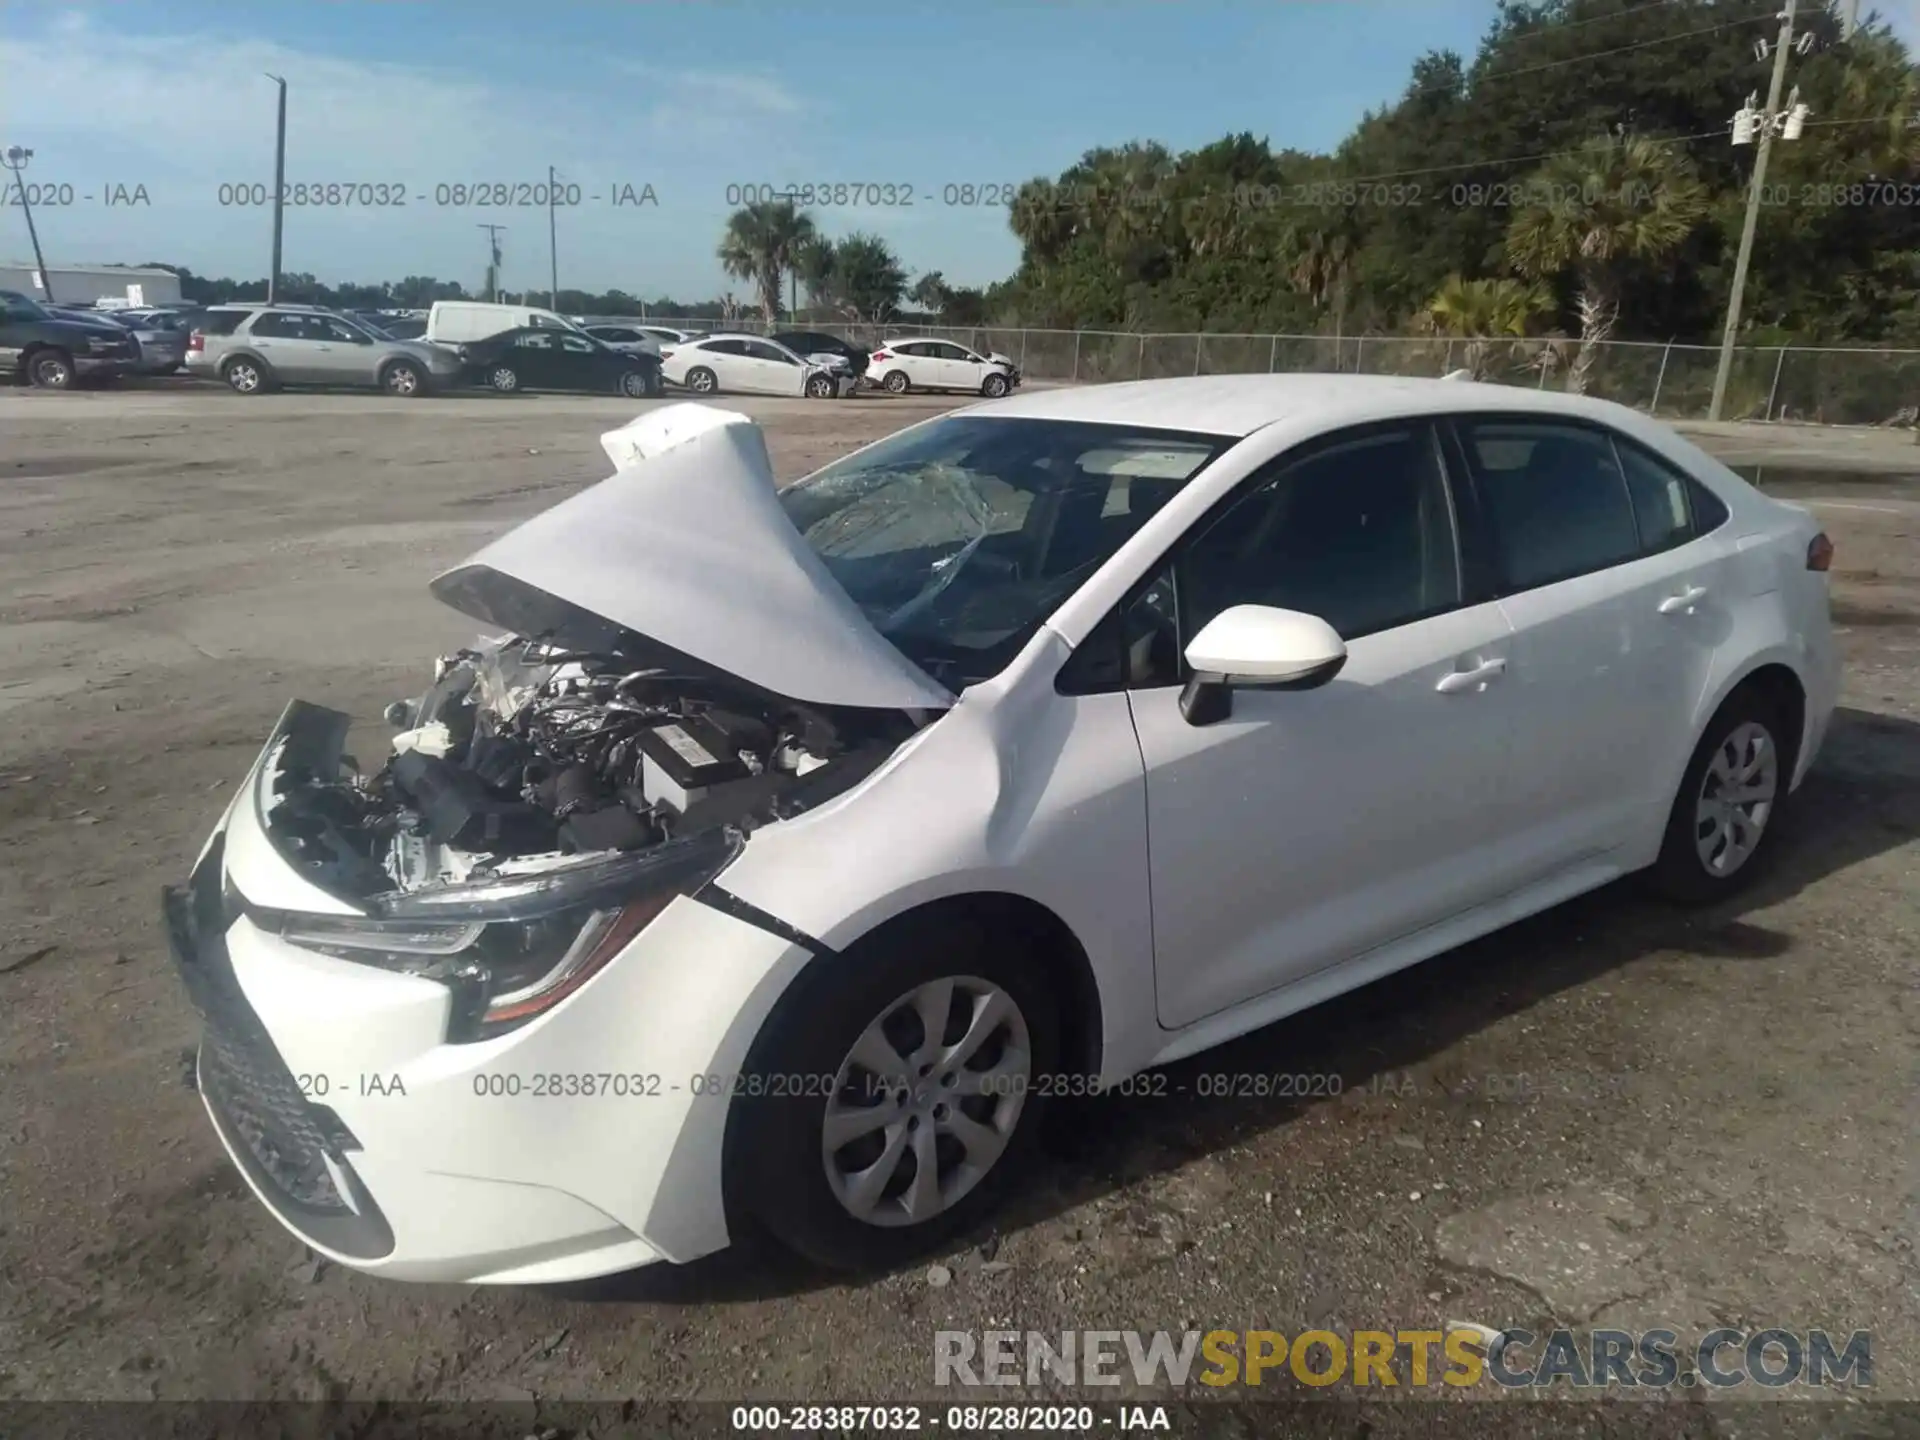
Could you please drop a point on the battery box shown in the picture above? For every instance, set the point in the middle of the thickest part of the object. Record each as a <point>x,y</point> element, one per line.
<point>681,760</point>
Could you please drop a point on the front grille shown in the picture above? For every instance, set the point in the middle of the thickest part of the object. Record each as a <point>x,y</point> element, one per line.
<point>255,1097</point>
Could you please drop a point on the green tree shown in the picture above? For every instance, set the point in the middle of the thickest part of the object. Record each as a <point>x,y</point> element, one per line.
<point>1483,313</point>
<point>930,293</point>
<point>866,281</point>
<point>1617,203</point>
<point>760,246</point>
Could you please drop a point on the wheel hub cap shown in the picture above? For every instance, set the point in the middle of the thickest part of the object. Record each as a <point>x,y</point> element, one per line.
<point>1736,799</point>
<point>926,1101</point>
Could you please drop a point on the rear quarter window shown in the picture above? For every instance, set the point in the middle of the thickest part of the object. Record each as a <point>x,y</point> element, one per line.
<point>222,322</point>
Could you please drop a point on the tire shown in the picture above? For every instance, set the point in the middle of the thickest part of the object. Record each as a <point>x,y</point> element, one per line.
<point>244,375</point>
<point>779,1160</point>
<point>403,378</point>
<point>635,385</point>
<point>896,383</point>
<point>994,386</point>
<point>821,387</point>
<point>51,370</point>
<point>1713,850</point>
<point>703,381</point>
<point>503,378</point>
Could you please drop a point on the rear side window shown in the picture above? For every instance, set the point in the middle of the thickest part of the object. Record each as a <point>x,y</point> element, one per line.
<point>1554,497</point>
<point>221,322</point>
<point>286,327</point>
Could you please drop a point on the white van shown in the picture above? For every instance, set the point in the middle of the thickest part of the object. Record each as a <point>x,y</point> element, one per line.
<point>460,322</point>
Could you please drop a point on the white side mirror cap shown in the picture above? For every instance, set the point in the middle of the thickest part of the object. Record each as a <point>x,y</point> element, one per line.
<point>1256,645</point>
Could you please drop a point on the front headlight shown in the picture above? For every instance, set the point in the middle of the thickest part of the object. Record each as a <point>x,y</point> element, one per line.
<point>513,947</point>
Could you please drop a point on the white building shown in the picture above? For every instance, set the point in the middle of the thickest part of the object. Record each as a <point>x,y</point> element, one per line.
<point>85,284</point>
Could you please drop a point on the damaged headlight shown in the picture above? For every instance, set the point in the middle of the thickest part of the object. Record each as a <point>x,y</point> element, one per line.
<point>513,947</point>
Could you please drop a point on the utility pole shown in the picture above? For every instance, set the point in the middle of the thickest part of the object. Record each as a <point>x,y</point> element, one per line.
<point>1755,191</point>
<point>16,160</point>
<point>279,189</point>
<point>553,245</point>
<point>493,260</point>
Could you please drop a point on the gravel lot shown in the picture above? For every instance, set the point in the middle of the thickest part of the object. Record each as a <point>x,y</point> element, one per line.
<point>1715,1124</point>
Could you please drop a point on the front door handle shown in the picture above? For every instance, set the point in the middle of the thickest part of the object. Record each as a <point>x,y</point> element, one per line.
<point>1475,679</point>
<point>1684,602</point>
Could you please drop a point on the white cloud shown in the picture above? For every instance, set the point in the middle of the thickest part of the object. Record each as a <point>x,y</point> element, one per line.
<point>182,114</point>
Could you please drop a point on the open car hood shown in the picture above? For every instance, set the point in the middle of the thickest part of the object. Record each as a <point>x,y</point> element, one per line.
<point>685,547</point>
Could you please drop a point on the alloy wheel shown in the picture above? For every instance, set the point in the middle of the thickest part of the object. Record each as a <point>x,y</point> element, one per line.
<point>1737,796</point>
<point>926,1101</point>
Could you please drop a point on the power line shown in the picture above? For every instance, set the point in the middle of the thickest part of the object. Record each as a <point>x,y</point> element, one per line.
<point>1558,27</point>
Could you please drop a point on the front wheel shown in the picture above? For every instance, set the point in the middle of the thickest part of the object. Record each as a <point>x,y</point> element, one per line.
<point>821,387</point>
<point>994,386</point>
<point>927,1067</point>
<point>403,378</point>
<point>1728,802</point>
<point>51,370</point>
<point>504,378</point>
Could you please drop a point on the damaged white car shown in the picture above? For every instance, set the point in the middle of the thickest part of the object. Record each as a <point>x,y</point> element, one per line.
<point>792,849</point>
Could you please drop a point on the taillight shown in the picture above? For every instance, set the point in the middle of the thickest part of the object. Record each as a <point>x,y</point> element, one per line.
<point>883,355</point>
<point>1820,553</point>
<point>197,341</point>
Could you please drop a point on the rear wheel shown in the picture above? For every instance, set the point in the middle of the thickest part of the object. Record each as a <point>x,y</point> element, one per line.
<point>925,1069</point>
<point>244,375</point>
<point>896,382</point>
<point>504,378</point>
<point>703,381</point>
<point>635,385</point>
<point>1728,802</point>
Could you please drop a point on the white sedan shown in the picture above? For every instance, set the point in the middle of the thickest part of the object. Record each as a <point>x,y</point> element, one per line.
<point>753,365</point>
<point>787,850</point>
<point>902,365</point>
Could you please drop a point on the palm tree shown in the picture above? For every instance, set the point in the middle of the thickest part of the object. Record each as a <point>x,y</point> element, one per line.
<point>760,246</point>
<point>1616,201</point>
<point>1323,261</point>
<point>1482,312</point>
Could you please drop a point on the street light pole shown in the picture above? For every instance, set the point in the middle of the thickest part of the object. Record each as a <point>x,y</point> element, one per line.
<point>1747,228</point>
<point>553,245</point>
<point>279,188</point>
<point>493,260</point>
<point>16,159</point>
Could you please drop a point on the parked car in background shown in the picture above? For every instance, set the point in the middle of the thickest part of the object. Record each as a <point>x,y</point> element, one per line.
<point>459,322</point>
<point>902,365</point>
<point>666,336</point>
<point>816,344</point>
<point>538,357</point>
<point>163,344</point>
<point>627,339</point>
<point>54,351</point>
<point>255,348</point>
<point>753,365</point>
<point>404,327</point>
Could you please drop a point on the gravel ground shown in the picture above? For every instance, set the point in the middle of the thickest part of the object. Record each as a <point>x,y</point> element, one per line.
<point>1612,1114</point>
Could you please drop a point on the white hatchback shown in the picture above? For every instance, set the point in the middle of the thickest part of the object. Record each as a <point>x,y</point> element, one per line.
<point>902,365</point>
<point>753,365</point>
<point>785,851</point>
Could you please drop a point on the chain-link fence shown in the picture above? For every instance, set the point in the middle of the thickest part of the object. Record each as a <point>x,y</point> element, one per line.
<point>1791,382</point>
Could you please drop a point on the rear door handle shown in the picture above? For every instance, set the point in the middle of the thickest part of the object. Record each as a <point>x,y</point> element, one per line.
<point>1475,679</point>
<point>1684,602</point>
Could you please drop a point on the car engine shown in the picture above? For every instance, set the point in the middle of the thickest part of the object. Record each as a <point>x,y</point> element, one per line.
<point>521,756</point>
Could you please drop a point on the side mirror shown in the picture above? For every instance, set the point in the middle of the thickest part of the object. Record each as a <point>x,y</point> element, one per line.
<point>1257,647</point>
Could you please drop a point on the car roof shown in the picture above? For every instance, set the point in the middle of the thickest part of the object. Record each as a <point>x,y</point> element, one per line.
<point>1238,405</point>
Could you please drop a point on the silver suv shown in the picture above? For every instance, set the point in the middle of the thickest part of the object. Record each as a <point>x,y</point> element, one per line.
<point>255,348</point>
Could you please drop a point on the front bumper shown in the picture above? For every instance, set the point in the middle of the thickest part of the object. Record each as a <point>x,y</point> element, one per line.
<point>388,1149</point>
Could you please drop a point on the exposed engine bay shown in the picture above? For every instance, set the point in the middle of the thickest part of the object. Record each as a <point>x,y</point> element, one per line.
<point>524,755</point>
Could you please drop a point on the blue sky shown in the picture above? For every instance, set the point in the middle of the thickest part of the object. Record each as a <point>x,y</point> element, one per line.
<point>688,98</point>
